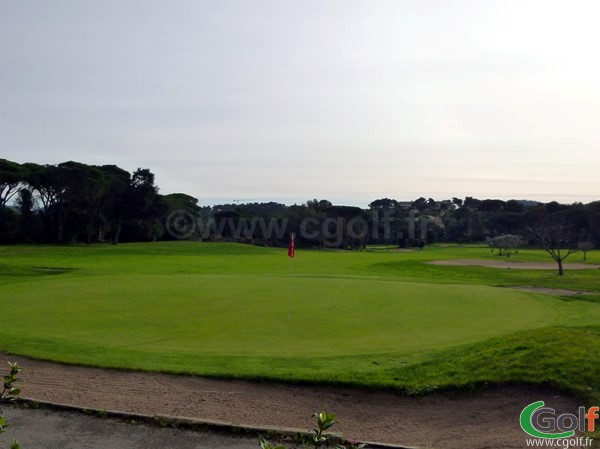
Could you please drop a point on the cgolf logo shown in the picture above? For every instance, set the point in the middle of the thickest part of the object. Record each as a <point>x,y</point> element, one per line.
<point>543,422</point>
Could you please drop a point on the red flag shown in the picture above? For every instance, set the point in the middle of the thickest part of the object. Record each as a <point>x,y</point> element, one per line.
<point>292,244</point>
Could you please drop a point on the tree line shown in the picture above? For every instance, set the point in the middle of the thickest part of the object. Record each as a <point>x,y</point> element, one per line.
<point>72,202</point>
<point>75,202</point>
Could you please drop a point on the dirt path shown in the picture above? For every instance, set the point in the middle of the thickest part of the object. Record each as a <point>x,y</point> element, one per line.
<point>513,265</point>
<point>486,419</point>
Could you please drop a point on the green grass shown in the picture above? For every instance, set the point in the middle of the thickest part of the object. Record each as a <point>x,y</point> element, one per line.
<point>374,318</point>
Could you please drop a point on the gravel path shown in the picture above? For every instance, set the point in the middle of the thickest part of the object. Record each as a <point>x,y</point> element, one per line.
<point>485,419</point>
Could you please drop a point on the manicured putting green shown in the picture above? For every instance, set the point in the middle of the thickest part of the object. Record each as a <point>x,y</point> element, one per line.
<point>247,315</point>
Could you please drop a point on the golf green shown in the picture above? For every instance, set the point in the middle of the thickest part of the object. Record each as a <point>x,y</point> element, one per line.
<point>375,318</point>
<point>249,315</point>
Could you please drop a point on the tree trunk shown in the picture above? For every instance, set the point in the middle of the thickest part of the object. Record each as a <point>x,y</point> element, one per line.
<point>116,234</point>
<point>560,267</point>
<point>60,233</point>
<point>61,218</point>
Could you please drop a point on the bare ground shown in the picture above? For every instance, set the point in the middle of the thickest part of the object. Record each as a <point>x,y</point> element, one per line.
<point>514,265</point>
<point>483,419</point>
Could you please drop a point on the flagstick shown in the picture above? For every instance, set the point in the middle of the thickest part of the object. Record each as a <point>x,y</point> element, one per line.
<point>290,289</point>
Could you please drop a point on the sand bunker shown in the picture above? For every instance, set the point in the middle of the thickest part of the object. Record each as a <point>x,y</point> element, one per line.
<point>513,265</point>
<point>457,420</point>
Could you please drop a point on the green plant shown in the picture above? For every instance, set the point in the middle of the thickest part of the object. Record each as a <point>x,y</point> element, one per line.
<point>324,422</point>
<point>318,436</point>
<point>264,444</point>
<point>8,393</point>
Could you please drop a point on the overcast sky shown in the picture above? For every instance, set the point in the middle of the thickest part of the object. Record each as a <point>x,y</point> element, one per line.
<point>291,100</point>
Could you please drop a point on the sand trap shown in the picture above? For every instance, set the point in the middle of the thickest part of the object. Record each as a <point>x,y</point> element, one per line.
<point>458,420</point>
<point>514,265</point>
<point>554,291</point>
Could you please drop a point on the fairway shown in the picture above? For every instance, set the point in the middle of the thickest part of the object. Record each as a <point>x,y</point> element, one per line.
<point>369,318</point>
